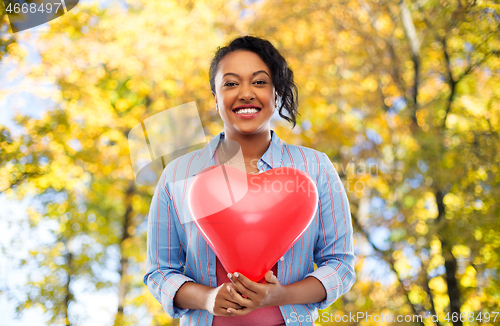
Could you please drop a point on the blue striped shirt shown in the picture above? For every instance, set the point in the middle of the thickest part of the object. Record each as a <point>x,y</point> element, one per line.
<point>178,253</point>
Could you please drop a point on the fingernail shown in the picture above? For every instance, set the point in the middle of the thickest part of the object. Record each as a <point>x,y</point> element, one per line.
<point>229,275</point>
<point>236,274</point>
<point>228,288</point>
<point>229,311</point>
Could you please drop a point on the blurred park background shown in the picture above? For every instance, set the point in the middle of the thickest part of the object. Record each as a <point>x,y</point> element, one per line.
<point>404,97</point>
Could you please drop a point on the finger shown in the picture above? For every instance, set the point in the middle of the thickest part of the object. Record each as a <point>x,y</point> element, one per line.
<point>242,290</point>
<point>241,312</point>
<point>237,298</point>
<point>268,276</point>
<point>234,294</point>
<point>229,297</point>
<point>271,278</point>
<point>222,311</point>
<point>249,284</point>
<point>231,304</point>
<point>240,287</point>
<point>274,280</point>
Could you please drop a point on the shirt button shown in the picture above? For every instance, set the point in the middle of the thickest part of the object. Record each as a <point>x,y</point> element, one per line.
<point>288,321</point>
<point>282,258</point>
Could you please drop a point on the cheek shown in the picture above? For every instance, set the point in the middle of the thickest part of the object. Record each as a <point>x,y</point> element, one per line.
<point>272,101</point>
<point>228,98</point>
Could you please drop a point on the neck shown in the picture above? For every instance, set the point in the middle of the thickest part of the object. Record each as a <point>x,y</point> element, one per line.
<point>252,146</point>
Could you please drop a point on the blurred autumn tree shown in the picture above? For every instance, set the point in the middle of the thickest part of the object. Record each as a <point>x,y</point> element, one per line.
<point>403,96</point>
<point>412,91</point>
<point>114,67</point>
<point>6,38</point>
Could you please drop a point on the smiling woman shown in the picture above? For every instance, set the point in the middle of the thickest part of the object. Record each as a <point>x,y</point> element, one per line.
<point>245,98</point>
<point>247,78</point>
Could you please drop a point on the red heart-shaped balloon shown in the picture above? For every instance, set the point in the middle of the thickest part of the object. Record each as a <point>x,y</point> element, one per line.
<point>251,220</point>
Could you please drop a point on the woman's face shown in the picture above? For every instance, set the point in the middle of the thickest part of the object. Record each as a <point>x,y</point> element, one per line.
<point>243,79</point>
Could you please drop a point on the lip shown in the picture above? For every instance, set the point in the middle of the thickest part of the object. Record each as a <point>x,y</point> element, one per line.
<point>247,106</point>
<point>247,116</point>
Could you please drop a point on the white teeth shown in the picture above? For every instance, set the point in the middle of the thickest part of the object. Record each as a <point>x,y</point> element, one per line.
<point>247,111</point>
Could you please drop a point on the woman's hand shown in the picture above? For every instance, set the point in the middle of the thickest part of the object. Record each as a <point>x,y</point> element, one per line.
<point>220,300</point>
<point>255,295</point>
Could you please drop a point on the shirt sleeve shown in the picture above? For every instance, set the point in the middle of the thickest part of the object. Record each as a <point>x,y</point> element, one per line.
<point>333,253</point>
<point>165,256</point>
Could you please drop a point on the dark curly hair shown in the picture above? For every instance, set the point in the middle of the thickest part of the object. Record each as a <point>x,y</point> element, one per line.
<point>281,74</point>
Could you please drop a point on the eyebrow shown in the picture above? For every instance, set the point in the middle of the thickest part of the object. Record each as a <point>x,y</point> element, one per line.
<point>255,73</point>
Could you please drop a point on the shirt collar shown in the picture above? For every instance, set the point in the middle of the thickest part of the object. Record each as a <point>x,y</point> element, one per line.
<point>271,157</point>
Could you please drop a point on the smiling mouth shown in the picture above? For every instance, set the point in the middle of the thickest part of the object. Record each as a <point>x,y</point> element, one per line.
<point>246,110</point>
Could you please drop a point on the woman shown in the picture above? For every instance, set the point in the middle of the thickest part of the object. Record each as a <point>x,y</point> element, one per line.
<point>247,78</point>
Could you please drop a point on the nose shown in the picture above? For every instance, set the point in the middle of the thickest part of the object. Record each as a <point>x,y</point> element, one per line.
<point>246,92</point>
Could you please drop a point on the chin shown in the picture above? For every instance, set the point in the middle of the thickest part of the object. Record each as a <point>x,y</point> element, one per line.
<point>247,130</point>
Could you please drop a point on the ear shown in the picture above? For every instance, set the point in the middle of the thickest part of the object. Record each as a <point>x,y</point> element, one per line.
<point>215,97</point>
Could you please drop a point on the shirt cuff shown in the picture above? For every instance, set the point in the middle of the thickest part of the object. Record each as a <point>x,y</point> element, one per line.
<point>168,291</point>
<point>332,283</point>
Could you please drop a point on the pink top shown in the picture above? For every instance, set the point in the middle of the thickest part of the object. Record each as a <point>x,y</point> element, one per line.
<point>268,316</point>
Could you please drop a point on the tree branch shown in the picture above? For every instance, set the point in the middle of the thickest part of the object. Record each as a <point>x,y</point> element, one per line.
<point>124,261</point>
<point>476,64</point>
<point>428,290</point>
<point>394,68</point>
<point>411,35</point>
<point>386,256</point>
<point>451,81</point>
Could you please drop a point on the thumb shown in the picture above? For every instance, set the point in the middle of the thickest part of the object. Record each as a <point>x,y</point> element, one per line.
<point>270,278</point>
